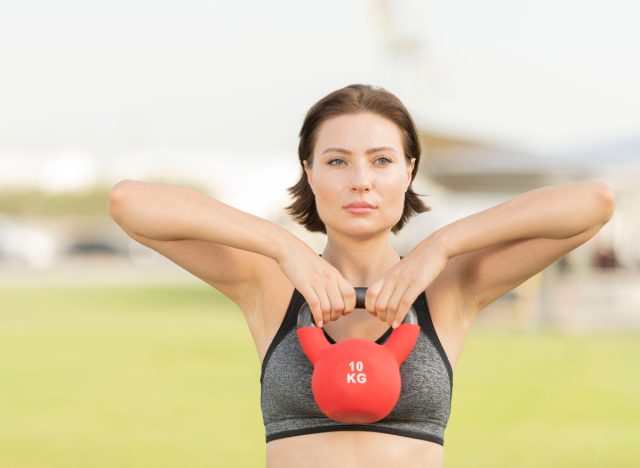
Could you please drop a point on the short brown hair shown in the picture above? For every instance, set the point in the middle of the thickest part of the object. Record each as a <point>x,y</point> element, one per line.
<point>353,99</point>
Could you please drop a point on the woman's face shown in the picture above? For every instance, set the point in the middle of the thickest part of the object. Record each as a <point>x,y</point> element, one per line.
<point>359,157</point>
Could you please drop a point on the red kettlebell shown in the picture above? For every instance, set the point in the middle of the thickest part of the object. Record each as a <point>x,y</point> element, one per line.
<point>356,381</point>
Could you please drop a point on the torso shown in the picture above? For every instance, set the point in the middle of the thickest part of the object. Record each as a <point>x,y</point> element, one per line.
<point>353,448</point>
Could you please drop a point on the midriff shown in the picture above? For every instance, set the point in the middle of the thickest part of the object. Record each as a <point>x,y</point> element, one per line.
<point>353,449</point>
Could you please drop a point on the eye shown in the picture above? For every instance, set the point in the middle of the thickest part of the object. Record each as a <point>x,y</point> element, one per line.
<point>382,157</point>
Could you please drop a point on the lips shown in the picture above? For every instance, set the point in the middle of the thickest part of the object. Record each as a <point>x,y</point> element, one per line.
<point>360,204</point>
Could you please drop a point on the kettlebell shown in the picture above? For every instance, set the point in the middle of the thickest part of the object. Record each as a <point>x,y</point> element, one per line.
<point>356,381</point>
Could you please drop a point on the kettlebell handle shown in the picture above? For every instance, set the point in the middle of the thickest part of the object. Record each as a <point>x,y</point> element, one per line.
<point>305,318</point>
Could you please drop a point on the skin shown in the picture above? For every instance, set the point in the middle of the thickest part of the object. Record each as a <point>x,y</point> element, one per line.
<point>358,244</point>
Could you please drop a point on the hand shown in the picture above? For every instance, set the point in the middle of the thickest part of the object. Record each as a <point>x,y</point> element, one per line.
<point>391,296</point>
<point>327,292</point>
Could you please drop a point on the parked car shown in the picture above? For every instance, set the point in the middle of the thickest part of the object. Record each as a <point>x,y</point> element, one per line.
<point>26,245</point>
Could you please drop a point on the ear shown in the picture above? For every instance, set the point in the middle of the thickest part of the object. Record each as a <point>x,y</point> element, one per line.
<point>307,170</point>
<point>410,171</point>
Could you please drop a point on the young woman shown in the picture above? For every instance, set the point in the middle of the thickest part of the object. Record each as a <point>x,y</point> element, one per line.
<point>358,145</point>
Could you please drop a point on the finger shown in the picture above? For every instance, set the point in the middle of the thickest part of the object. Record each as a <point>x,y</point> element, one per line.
<point>382,301</point>
<point>370,298</point>
<point>311,298</point>
<point>399,304</point>
<point>348,295</point>
<point>335,296</point>
<point>325,303</point>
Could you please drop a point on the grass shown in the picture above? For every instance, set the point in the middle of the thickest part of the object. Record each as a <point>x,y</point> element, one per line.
<point>169,376</point>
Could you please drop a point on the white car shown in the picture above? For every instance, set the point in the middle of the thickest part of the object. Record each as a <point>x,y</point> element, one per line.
<point>26,245</point>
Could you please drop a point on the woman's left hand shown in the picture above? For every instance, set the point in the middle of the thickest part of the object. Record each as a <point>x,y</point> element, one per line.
<point>391,296</point>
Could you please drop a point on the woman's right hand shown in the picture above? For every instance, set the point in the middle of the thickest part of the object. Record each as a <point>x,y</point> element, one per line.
<point>327,292</point>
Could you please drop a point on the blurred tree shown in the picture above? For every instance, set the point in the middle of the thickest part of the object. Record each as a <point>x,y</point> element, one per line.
<point>20,202</point>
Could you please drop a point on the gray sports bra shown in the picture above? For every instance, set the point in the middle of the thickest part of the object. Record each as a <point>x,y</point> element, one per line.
<point>289,409</point>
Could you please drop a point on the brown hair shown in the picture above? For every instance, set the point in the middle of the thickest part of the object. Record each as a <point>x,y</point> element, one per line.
<point>353,99</point>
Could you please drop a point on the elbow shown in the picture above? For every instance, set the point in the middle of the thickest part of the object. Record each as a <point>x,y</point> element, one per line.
<point>117,195</point>
<point>607,200</point>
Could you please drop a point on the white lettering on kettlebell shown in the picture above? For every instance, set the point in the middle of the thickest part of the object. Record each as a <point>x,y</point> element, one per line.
<point>359,366</point>
<point>359,377</point>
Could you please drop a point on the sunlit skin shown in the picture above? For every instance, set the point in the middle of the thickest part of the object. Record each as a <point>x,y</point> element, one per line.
<point>358,244</point>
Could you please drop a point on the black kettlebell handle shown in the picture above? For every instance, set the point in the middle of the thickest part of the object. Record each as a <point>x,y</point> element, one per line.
<point>305,318</point>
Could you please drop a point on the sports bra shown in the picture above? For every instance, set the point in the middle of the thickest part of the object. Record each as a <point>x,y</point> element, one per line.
<point>289,408</point>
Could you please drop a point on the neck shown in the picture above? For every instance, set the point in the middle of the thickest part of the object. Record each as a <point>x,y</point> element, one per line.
<point>361,265</point>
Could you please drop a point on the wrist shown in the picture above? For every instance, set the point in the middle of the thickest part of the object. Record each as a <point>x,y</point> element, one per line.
<point>288,244</point>
<point>437,241</point>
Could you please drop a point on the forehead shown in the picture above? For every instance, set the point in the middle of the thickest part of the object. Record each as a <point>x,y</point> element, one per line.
<point>358,132</point>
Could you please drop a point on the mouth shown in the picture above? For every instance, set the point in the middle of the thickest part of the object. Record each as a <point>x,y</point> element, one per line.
<point>359,204</point>
<point>359,209</point>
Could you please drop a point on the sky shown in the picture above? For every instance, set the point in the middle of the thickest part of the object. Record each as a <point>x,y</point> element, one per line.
<point>557,72</point>
<point>93,91</point>
<point>128,74</point>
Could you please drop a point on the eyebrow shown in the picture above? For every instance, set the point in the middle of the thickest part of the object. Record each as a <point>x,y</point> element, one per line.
<point>369,151</point>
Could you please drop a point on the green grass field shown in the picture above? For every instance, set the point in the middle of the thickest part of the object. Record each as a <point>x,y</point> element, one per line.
<point>169,376</point>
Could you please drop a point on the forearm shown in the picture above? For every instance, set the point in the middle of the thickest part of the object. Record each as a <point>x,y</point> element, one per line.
<point>172,212</point>
<point>554,212</point>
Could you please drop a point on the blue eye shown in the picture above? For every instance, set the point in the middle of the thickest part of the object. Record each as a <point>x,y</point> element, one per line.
<point>382,157</point>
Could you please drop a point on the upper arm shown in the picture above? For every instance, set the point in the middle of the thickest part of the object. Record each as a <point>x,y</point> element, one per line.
<point>234,272</point>
<point>488,273</point>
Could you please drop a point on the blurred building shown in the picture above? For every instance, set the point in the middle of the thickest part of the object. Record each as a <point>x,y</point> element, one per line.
<point>472,171</point>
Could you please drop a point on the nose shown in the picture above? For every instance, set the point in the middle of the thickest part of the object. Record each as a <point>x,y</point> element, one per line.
<point>361,179</point>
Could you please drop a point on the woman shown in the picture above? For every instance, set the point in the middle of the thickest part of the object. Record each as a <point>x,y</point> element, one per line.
<point>359,145</point>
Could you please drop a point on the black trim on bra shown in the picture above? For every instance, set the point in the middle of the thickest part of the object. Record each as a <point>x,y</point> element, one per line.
<point>356,427</point>
<point>289,322</point>
<point>431,330</point>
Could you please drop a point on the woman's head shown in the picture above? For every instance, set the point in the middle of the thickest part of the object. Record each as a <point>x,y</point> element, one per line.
<point>357,143</point>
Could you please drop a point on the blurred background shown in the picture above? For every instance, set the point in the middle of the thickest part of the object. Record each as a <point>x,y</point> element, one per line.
<point>112,355</point>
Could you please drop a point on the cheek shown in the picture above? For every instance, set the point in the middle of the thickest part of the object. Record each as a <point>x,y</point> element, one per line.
<point>394,191</point>
<point>327,198</point>
<point>326,191</point>
<point>394,200</point>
